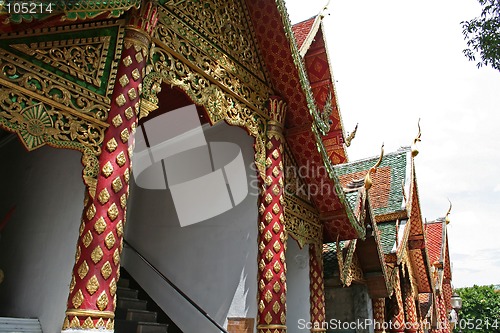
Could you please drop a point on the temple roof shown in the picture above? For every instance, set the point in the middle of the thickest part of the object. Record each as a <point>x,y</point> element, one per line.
<point>302,30</point>
<point>392,175</point>
<point>434,232</point>
<point>387,236</point>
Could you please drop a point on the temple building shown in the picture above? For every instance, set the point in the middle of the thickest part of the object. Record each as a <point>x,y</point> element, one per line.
<point>181,166</point>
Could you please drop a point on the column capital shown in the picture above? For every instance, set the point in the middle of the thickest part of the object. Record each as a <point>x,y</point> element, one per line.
<point>277,112</point>
<point>141,23</point>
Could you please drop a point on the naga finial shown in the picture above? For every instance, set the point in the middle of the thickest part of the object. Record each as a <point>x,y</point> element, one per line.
<point>322,117</point>
<point>447,217</point>
<point>351,136</point>
<point>373,169</point>
<point>414,150</point>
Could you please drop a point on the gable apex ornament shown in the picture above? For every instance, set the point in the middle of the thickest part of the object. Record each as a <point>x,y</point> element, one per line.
<point>414,150</point>
<point>373,169</point>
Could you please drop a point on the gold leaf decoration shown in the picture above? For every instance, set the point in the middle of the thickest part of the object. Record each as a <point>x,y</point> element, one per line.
<point>77,299</point>
<point>87,238</point>
<point>102,301</point>
<point>83,269</point>
<point>96,254</point>
<point>110,240</point>
<point>100,225</point>
<point>92,285</point>
<point>113,212</point>
<point>106,270</point>
<point>103,196</point>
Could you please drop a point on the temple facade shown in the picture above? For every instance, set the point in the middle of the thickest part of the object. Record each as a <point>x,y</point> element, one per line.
<point>181,166</point>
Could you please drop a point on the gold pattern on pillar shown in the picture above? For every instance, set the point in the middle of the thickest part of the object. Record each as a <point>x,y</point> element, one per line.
<point>379,314</point>
<point>317,288</point>
<point>396,310</point>
<point>412,322</point>
<point>272,236</point>
<point>92,298</point>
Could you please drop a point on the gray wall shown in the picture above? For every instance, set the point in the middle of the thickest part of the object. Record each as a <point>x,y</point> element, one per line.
<point>349,305</point>
<point>214,261</point>
<point>298,295</point>
<point>37,247</point>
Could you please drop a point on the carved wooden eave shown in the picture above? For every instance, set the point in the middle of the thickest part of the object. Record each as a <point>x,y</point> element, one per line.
<point>50,14</point>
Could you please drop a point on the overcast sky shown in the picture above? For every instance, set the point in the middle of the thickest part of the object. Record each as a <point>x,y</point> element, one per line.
<point>395,61</point>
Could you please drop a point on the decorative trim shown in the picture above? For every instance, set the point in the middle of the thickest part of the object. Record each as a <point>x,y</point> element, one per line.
<point>92,313</point>
<point>219,104</point>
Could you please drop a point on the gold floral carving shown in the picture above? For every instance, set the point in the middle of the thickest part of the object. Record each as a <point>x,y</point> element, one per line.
<point>102,301</point>
<point>84,58</point>
<point>301,222</point>
<point>68,110</point>
<point>92,285</point>
<point>219,104</point>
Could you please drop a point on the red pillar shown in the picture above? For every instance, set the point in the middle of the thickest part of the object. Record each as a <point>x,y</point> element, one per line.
<point>396,309</point>
<point>317,288</point>
<point>442,324</point>
<point>272,237</point>
<point>412,322</point>
<point>92,297</point>
<point>378,305</point>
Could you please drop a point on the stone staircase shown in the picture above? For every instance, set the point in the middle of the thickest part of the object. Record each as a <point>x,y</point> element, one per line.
<point>136,312</point>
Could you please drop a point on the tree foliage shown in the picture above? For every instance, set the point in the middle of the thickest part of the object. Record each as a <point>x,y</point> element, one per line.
<point>480,310</point>
<point>483,35</point>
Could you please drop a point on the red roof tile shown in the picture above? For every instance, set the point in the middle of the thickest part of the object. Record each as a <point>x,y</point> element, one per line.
<point>434,233</point>
<point>302,29</point>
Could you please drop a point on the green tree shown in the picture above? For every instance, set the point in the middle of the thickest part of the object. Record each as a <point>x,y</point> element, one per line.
<point>480,310</point>
<point>483,35</point>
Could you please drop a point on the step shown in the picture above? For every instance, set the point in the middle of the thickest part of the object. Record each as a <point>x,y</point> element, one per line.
<point>131,303</point>
<point>141,315</point>
<point>125,326</point>
<point>8,324</point>
<point>123,292</point>
<point>123,282</point>
<point>151,328</point>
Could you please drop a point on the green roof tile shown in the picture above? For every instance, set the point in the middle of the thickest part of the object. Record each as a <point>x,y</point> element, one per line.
<point>398,163</point>
<point>387,235</point>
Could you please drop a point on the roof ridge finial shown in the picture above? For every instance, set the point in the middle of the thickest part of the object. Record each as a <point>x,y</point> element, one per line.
<point>373,169</point>
<point>414,150</point>
<point>351,136</point>
<point>447,216</point>
<point>323,11</point>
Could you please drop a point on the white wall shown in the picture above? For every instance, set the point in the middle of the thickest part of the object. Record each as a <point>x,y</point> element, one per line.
<point>37,247</point>
<point>297,279</point>
<point>214,262</point>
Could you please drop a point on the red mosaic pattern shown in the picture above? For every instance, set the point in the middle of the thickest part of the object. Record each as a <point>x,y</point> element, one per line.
<point>434,233</point>
<point>378,305</point>
<point>271,36</point>
<point>417,227</point>
<point>396,309</point>
<point>410,309</point>
<point>443,326</point>
<point>419,266</point>
<point>301,30</point>
<point>97,264</point>
<point>317,288</point>
<point>447,294</point>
